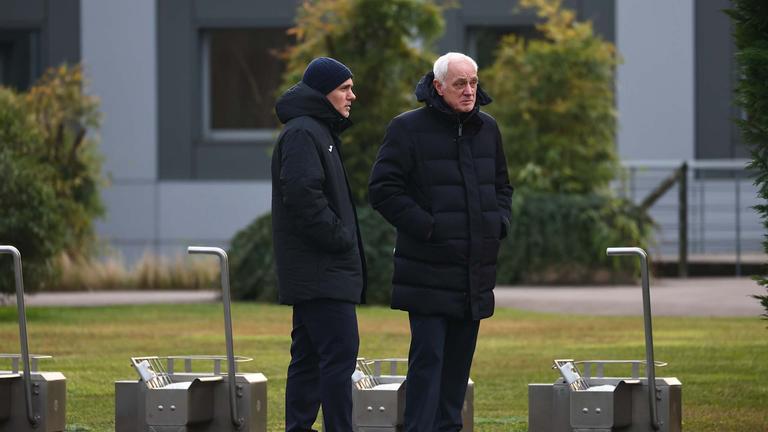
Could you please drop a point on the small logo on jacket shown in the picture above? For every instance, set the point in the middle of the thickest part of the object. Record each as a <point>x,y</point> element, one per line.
<point>330,148</point>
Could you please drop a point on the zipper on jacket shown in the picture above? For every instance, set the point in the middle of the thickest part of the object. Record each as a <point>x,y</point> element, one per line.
<point>461,125</point>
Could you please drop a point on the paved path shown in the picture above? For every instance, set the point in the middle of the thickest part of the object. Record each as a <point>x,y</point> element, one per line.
<point>681,297</point>
<point>689,297</point>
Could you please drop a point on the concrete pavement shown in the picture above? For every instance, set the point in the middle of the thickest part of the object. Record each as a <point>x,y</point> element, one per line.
<point>681,297</point>
<point>676,297</point>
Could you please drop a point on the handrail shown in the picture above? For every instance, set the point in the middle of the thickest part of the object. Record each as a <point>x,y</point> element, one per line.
<point>31,417</point>
<point>226,299</point>
<point>728,164</point>
<point>649,369</point>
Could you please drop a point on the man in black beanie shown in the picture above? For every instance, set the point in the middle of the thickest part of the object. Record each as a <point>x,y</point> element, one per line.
<point>318,250</point>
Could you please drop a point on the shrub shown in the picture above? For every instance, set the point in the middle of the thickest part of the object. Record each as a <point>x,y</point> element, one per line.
<point>561,238</point>
<point>554,103</point>
<point>383,43</point>
<point>29,209</point>
<point>64,116</point>
<point>555,106</point>
<point>49,174</point>
<point>553,238</point>
<point>253,268</point>
<point>252,262</point>
<point>751,35</point>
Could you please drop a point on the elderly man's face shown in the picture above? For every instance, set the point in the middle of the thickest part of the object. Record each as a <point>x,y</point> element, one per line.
<point>341,98</point>
<point>460,88</point>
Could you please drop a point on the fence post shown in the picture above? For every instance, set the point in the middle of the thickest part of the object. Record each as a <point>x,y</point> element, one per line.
<point>682,265</point>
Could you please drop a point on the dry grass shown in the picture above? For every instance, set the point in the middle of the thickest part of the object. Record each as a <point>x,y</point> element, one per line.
<point>150,272</point>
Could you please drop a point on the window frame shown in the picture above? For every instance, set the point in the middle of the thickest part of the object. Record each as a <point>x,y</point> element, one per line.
<point>223,135</point>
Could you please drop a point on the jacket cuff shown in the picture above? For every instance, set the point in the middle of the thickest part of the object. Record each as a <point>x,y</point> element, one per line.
<point>504,227</point>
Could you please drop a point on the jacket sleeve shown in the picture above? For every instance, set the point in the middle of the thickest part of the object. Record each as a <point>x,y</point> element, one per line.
<point>302,177</point>
<point>504,190</point>
<point>388,186</point>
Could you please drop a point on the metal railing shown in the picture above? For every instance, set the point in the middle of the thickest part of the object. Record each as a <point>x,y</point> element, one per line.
<point>701,207</point>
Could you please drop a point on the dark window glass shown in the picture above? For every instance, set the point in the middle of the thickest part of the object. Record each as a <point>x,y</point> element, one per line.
<point>482,42</point>
<point>19,64</point>
<point>245,71</point>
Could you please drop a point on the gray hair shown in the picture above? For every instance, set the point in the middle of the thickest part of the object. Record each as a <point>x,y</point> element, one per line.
<point>440,68</point>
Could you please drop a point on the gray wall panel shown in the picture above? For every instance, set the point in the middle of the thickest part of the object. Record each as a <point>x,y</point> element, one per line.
<point>176,43</point>
<point>183,152</point>
<point>119,51</point>
<point>131,211</point>
<point>232,162</point>
<point>63,31</point>
<point>716,134</point>
<point>603,16</point>
<point>210,210</point>
<point>654,89</point>
<point>19,11</point>
<point>245,10</point>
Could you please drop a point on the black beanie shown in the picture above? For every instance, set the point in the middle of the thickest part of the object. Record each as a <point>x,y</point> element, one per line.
<point>324,74</point>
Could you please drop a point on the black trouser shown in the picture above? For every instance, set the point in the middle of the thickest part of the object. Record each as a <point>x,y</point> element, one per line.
<point>323,356</point>
<point>438,369</point>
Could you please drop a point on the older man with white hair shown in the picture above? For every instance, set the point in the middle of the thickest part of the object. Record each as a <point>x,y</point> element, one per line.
<point>441,179</point>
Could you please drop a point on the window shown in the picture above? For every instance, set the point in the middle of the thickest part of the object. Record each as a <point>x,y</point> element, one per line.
<point>242,71</point>
<point>19,58</point>
<point>482,42</point>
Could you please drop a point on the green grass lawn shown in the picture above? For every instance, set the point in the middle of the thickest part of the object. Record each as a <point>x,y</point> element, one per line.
<point>722,362</point>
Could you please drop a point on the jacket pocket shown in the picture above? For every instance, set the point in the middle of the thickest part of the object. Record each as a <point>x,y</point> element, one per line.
<point>428,251</point>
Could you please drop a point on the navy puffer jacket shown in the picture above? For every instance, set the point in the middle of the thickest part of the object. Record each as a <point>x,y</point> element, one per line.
<point>441,179</point>
<point>315,233</point>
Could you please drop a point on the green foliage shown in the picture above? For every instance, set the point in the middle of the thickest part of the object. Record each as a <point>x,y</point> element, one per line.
<point>64,115</point>
<point>554,104</point>
<point>252,262</point>
<point>49,174</point>
<point>381,42</point>
<point>553,238</point>
<point>29,209</point>
<point>750,18</point>
<point>556,238</point>
<point>253,266</point>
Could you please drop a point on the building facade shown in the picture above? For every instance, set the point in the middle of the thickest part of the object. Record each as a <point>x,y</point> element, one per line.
<point>188,156</point>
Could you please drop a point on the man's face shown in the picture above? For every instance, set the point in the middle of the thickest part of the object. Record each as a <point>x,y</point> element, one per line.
<point>341,98</point>
<point>460,86</point>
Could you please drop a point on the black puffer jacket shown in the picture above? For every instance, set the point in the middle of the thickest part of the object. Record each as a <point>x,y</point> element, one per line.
<point>318,249</point>
<point>441,179</point>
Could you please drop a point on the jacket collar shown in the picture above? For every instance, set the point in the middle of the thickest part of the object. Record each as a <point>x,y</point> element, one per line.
<point>302,100</point>
<point>425,92</point>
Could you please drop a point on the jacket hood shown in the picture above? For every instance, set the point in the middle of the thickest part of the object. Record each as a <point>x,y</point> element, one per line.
<point>302,100</point>
<point>425,92</point>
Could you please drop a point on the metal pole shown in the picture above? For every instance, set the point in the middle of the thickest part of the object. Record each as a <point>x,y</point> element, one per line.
<point>224,263</point>
<point>738,225</point>
<point>650,364</point>
<point>31,417</point>
<point>682,269</point>
<point>702,216</point>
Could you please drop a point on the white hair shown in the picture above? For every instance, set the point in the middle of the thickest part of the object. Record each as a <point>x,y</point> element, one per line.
<point>440,68</point>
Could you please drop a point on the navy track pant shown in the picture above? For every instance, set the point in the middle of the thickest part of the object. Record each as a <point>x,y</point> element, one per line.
<point>438,368</point>
<point>324,344</point>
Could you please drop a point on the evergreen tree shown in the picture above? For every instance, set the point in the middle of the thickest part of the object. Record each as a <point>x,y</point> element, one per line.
<point>750,19</point>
